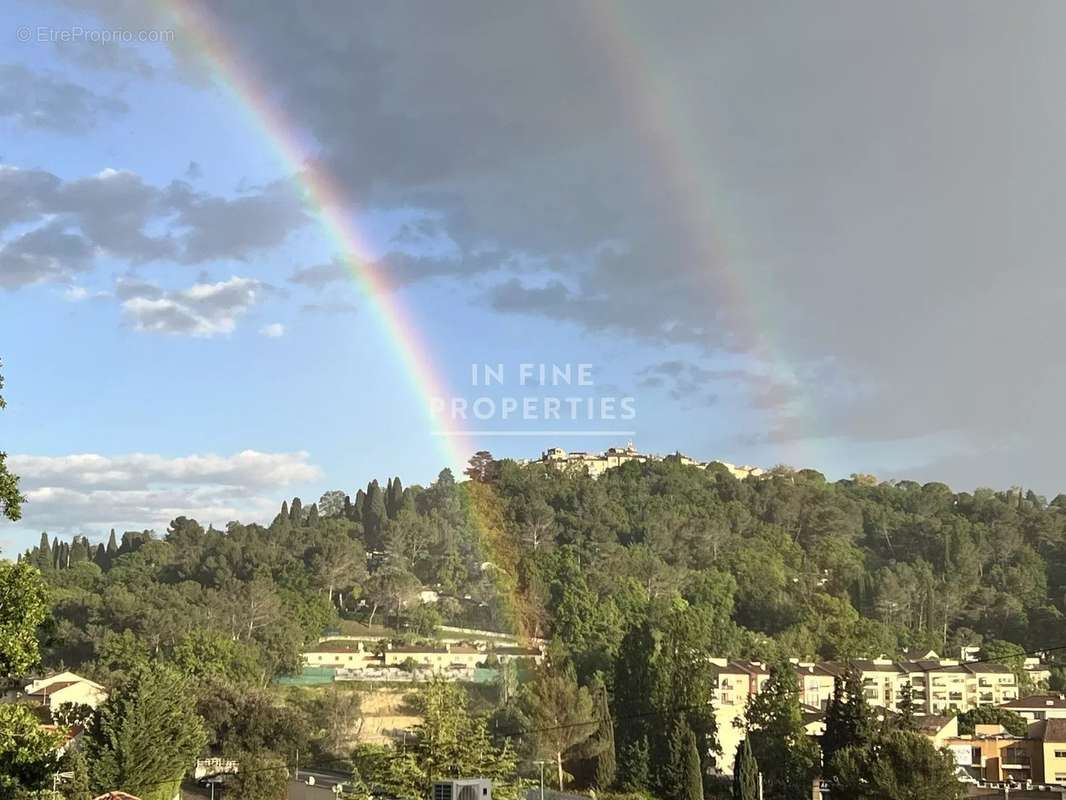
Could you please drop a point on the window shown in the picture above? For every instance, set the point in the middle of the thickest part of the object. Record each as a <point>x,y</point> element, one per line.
<point>1060,754</point>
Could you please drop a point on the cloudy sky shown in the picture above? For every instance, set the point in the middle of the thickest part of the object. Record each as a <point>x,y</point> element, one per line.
<point>826,234</point>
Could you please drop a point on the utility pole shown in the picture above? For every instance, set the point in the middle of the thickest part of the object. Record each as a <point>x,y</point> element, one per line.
<point>541,763</point>
<point>760,786</point>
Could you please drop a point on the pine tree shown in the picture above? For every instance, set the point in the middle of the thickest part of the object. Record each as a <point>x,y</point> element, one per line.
<point>745,773</point>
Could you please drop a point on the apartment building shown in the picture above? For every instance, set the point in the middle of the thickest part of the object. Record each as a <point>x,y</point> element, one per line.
<point>1036,707</point>
<point>992,754</point>
<point>342,653</point>
<point>1052,754</point>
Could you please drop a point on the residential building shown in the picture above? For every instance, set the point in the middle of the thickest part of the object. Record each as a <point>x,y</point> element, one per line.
<point>515,653</point>
<point>1036,707</point>
<point>816,683</point>
<point>598,463</point>
<point>65,687</point>
<point>342,653</point>
<point>1052,754</point>
<point>992,754</point>
<point>938,728</point>
<point>437,657</point>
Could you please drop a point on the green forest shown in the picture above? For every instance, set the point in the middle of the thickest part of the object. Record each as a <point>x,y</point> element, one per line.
<point>633,579</point>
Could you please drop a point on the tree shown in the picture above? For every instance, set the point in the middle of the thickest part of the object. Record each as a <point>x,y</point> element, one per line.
<point>606,762</point>
<point>10,497</point>
<point>23,607</point>
<point>43,561</point>
<point>260,777</point>
<point>682,777</point>
<point>788,758</point>
<point>745,773</point>
<point>1012,722</point>
<point>482,468</point>
<point>901,765</point>
<point>847,718</point>
<point>146,736</point>
<point>333,503</point>
<point>559,712</point>
<point>27,751</point>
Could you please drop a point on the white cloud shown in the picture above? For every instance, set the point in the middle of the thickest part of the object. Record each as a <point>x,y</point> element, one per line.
<point>87,491</point>
<point>204,309</point>
<point>274,330</point>
<point>75,294</point>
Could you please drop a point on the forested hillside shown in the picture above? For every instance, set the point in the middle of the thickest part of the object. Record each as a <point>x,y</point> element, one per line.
<point>635,578</point>
<point>789,564</point>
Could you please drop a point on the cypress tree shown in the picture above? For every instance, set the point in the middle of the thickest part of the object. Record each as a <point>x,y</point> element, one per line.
<point>394,498</point>
<point>55,552</point>
<point>635,770</point>
<point>681,777</point>
<point>296,512</point>
<point>44,554</point>
<point>112,548</point>
<point>79,551</point>
<point>64,556</point>
<point>100,556</point>
<point>359,505</point>
<point>312,515</point>
<point>745,773</point>
<point>906,709</point>
<point>374,516</point>
<point>606,762</point>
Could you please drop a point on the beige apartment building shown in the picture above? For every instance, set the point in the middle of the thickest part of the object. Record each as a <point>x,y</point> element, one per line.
<point>940,689</point>
<point>1052,755</point>
<point>1036,707</point>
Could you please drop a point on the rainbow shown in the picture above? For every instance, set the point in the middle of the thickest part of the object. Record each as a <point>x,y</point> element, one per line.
<point>663,121</point>
<point>329,202</point>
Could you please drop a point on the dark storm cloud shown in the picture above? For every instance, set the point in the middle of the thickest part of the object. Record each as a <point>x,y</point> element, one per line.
<point>44,102</point>
<point>866,196</point>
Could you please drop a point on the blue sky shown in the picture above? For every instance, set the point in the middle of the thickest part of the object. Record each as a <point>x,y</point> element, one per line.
<point>167,304</point>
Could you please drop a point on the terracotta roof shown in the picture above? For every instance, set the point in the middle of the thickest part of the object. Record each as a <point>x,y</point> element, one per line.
<point>1055,730</point>
<point>1037,701</point>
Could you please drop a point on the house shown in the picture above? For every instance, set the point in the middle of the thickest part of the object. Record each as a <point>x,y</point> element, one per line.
<point>938,728</point>
<point>436,657</point>
<point>1052,754</point>
<point>1037,707</point>
<point>992,754</point>
<point>342,653</point>
<point>65,687</point>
